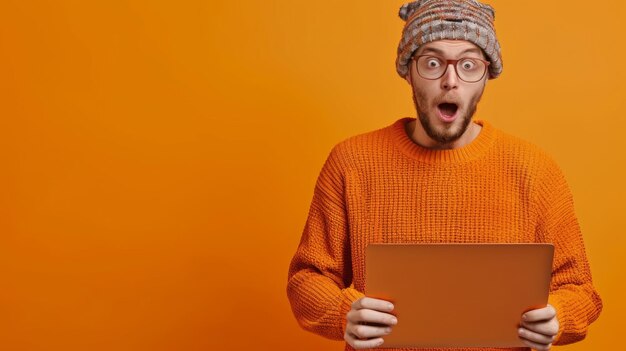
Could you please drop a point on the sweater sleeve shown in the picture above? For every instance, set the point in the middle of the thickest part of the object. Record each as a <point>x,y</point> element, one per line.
<point>572,294</point>
<point>320,273</point>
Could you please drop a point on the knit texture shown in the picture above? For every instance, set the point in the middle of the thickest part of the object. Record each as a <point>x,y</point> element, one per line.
<point>380,187</point>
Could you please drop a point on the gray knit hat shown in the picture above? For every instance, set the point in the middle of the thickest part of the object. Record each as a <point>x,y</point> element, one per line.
<point>430,20</point>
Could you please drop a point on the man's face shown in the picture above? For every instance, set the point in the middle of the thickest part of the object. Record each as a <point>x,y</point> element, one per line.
<point>435,100</point>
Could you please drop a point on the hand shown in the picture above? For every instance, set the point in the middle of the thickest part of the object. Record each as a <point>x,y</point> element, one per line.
<point>367,321</point>
<point>539,327</point>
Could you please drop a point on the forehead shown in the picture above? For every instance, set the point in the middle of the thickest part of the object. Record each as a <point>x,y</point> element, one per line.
<point>451,48</point>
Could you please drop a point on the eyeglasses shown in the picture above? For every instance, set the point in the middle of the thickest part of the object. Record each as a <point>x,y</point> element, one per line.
<point>468,69</point>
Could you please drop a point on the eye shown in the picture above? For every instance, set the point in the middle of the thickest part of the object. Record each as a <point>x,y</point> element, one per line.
<point>432,62</point>
<point>468,64</point>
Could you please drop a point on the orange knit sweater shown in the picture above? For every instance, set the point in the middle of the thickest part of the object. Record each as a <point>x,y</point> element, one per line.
<point>381,187</point>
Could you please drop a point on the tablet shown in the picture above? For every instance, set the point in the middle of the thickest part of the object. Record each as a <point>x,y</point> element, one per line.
<point>458,295</point>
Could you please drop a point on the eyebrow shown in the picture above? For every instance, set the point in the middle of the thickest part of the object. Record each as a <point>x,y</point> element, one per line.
<point>439,52</point>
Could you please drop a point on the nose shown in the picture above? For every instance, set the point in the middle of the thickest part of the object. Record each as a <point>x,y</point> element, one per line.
<point>450,80</point>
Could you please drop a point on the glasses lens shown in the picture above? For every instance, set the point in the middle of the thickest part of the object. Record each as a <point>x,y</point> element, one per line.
<point>470,70</point>
<point>430,67</point>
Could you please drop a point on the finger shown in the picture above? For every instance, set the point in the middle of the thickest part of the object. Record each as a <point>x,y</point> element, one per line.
<point>550,327</point>
<point>540,314</point>
<point>370,316</point>
<point>537,346</point>
<point>372,304</point>
<point>361,331</point>
<point>535,337</point>
<point>363,344</point>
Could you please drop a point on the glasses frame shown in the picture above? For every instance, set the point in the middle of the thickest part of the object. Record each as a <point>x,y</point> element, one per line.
<point>454,63</point>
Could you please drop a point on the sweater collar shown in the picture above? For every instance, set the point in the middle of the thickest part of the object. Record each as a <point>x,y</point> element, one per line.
<point>468,152</point>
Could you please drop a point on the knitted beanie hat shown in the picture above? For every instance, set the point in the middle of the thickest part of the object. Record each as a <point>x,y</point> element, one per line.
<point>430,20</point>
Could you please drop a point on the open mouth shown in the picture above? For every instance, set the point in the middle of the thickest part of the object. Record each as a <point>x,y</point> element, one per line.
<point>447,111</point>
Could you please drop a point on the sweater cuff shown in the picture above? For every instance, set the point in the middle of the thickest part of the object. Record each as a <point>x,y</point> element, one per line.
<point>350,295</point>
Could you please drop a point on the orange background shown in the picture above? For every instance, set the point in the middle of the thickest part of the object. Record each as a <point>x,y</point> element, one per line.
<point>159,157</point>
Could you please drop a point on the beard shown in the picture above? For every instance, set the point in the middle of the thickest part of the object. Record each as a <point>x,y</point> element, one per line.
<point>449,133</point>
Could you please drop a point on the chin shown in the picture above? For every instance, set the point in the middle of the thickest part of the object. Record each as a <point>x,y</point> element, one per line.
<point>445,133</point>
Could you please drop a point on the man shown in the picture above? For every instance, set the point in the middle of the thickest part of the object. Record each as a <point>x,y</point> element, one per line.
<point>440,178</point>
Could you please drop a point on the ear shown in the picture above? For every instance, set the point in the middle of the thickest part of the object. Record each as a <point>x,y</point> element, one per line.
<point>408,77</point>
